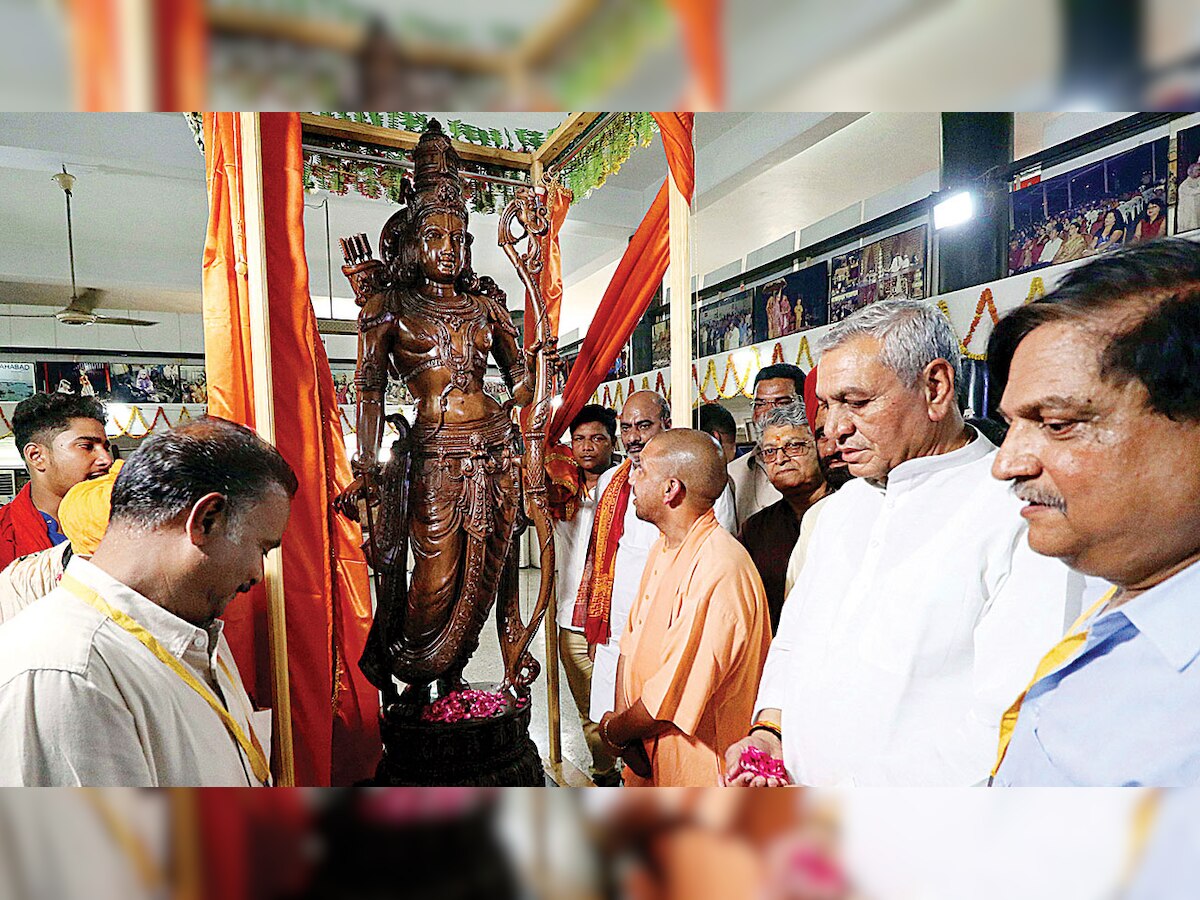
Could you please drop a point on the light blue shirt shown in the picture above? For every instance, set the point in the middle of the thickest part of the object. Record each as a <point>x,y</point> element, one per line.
<point>1169,867</point>
<point>1126,710</point>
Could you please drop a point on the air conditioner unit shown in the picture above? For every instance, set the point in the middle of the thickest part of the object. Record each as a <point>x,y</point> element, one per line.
<point>8,485</point>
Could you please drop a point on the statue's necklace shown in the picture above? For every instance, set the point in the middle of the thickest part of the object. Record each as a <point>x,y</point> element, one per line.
<point>464,313</point>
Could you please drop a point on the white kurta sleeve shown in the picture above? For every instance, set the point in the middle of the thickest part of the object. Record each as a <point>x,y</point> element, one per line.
<point>772,689</point>
<point>61,730</point>
<point>1029,612</point>
<point>726,510</point>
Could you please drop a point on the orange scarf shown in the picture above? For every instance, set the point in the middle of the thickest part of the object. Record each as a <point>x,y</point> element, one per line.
<point>593,605</point>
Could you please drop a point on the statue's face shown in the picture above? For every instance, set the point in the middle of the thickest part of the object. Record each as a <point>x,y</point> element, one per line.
<point>442,239</point>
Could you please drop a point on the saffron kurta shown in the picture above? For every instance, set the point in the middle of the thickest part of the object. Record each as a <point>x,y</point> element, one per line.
<point>693,650</point>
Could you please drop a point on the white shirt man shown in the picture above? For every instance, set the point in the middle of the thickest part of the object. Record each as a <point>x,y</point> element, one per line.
<point>632,551</point>
<point>109,712</point>
<point>918,617</point>
<point>920,612</point>
<point>1052,247</point>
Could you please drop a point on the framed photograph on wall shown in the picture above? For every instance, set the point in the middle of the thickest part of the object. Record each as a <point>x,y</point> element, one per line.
<point>1187,180</point>
<point>84,379</point>
<point>1095,208</point>
<point>726,323</point>
<point>16,381</point>
<point>193,385</point>
<point>791,303</point>
<point>660,343</point>
<point>145,384</point>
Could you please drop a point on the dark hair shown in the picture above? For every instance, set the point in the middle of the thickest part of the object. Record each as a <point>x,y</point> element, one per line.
<point>782,370</point>
<point>1157,284</point>
<point>594,412</point>
<point>712,417</point>
<point>169,472</point>
<point>40,418</point>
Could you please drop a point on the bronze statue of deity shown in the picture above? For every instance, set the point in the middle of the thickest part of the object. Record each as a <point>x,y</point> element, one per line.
<point>451,487</point>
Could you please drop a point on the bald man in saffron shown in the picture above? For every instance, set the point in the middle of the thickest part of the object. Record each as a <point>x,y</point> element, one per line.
<point>696,641</point>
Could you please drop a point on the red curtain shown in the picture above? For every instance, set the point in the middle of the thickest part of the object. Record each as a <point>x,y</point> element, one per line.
<point>328,609</point>
<point>99,45</point>
<point>638,276</point>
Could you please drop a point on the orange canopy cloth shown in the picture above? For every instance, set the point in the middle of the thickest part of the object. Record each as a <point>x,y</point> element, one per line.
<point>83,513</point>
<point>693,652</point>
<point>638,276</point>
<point>334,709</point>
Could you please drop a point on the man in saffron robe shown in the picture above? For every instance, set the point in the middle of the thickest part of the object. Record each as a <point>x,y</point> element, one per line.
<point>697,637</point>
<point>619,545</point>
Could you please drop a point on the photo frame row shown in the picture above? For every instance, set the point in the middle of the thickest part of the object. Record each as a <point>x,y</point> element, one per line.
<point>109,382</point>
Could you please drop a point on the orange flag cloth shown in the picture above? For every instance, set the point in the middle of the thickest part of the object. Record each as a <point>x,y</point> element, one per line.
<point>638,276</point>
<point>328,604</point>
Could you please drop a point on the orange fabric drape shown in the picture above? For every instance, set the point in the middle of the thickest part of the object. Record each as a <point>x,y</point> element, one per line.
<point>638,276</point>
<point>558,202</point>
<point>96,53</point>
<point>334,708</point>
<point>99,47</point>
<point>700,21</point>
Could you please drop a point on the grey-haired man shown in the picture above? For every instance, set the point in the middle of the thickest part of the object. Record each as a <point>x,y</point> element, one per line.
<point>920,611</point>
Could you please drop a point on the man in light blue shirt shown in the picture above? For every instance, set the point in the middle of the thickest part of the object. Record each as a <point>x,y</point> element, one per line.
<point>1101,383</point>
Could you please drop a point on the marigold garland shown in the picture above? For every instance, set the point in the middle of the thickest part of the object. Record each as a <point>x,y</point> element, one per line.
<point>127,430</point>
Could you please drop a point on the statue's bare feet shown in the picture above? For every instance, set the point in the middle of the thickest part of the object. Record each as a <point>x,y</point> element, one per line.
<point>450,683</point>
<point>413,699</point>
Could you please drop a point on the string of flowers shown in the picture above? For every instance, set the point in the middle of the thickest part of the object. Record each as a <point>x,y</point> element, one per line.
<point>377,180</point>
<point>1037,290</point>
<point>604,155</point>
<point>613,394</point>
<point>985,302</point>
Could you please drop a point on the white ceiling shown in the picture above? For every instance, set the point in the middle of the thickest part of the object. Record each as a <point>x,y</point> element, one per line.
<point>140,207</point>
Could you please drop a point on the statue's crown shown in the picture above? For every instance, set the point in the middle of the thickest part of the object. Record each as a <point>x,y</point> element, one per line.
<point>436,181</point>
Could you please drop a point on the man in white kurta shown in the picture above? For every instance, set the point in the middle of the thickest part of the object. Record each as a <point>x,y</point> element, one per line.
<point>920,611</point>
<point>918,617</point>
<point>120,676</point>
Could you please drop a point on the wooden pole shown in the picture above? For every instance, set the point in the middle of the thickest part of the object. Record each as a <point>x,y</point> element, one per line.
<point>553,702</point>
<point>264,421</point>
<point>137,53</point>
<point>680,280</point>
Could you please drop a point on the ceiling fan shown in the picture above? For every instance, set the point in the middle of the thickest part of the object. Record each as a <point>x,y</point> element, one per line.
<point>80,310</point>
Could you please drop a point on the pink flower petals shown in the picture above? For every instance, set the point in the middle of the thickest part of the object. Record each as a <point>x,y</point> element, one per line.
<point>469,704</point>
<point>757,762</point>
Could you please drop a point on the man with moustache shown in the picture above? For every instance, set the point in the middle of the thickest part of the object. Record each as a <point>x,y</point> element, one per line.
<point>775,386</point>
<point>1100,381</point>
<point>619,545</point>
<point>121,675</point>
<point>920,608</point>
<point>697,635</point>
